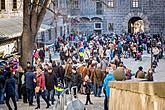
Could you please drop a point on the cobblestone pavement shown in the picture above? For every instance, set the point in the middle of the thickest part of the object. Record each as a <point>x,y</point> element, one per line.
<point>23,106</point>
<point>159,74</point>
<point>98,102</point>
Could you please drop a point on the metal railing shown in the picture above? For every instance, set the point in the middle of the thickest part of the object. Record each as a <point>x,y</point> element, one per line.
<point>64,99</point>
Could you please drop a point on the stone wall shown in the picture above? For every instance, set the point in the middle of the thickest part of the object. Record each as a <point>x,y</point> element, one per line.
<point>151,11</point>
<point>137,96</point>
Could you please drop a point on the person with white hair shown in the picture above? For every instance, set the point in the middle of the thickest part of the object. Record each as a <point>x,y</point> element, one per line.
<point>98,80</point>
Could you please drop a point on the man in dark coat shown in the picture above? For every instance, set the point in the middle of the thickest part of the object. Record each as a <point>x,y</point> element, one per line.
<point>30,80</point>
<point>56,70</point>
<point>76,79</point>
<point>2,83</point>
<point>10,87</point>
<point>42,54</point>
<point>50,82</point>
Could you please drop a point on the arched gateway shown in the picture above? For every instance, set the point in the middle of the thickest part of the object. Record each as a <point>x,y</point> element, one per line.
<point>136,22</point>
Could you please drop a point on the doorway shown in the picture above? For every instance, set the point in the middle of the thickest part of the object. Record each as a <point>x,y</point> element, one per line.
<point>135,25</point>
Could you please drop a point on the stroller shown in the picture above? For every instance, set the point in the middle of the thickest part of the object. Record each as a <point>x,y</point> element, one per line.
<point>138,56</point>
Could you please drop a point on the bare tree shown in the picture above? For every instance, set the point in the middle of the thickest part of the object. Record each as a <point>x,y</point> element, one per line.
<point>33,15</point>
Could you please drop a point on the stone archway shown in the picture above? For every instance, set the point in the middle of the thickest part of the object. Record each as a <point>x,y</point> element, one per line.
<point>139,15</point>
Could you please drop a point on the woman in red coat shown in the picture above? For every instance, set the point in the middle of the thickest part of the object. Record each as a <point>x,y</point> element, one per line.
<point>40,87</point>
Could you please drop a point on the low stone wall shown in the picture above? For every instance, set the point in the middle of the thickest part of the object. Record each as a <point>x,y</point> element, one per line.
<point>137,96</point>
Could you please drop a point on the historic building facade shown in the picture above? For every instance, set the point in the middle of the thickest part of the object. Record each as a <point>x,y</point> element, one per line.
<point>118,16</point>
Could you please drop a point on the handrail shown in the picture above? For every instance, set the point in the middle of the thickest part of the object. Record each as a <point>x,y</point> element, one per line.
<point>63,100</point>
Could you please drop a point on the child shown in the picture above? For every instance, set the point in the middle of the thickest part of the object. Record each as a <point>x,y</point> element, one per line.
<point>59,89</point>
<point>88,91</point>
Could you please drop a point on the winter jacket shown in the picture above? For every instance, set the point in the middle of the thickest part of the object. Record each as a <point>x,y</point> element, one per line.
<point>29,80</point>
<point>76,79</point>
<point>50,81</point>
<point>40,81</point>
<point>10,86</point>
<point>98,77</point>
<point>83,71</point>
<point>56,71</point>
<point>61,72</point>
<point>2,81</point>
<point>108,78</point>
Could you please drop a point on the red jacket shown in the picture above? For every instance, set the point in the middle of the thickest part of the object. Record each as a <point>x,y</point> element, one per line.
<point>40,81</point>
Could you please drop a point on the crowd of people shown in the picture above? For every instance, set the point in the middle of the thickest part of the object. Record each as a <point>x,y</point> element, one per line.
<point>86,61</point>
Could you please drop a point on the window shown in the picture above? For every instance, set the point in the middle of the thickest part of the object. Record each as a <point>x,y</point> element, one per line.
<point>110,26</point>
<point>61,31</point>
<point>76,4</point>
<point>14,4</point>
<point>135,3</point>
<point>111,3</point>
<point>50,34</point>
<point>42,37</point>
<point>2,5</point>
<point>99,8</point>
<point>98,26</point>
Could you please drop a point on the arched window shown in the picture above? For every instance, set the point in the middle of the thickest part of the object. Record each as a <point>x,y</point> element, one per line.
<point>2,5</point>
<point>14,4</point>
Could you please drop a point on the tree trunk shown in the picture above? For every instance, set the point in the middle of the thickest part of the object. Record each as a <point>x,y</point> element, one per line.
<point>27,48</point>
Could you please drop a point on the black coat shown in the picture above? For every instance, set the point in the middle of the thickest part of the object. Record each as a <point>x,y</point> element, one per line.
<point>56,71</point>
<point>50,81</point>
<point>10,86</point>
<point>76,79</point>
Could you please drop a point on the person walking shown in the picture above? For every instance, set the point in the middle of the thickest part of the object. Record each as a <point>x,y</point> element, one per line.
<point>98,80</point>
<point>30,80</point>
<point>40,87</point>
<point>88,88</point>
<point>10,87</point>
<point>76,80</point>
<point>2,83</point>
<point>50,82</point>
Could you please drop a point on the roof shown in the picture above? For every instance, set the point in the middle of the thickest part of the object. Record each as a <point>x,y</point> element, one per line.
<point>13,27</point>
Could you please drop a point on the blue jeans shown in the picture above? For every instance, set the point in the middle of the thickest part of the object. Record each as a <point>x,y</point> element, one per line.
<point>97,90</point>
<point>1,96</point>
<point>16,92</point>
<point>50,95</point>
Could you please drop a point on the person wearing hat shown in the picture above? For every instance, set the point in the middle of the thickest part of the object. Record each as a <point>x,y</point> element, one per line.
<point>40,86</point>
